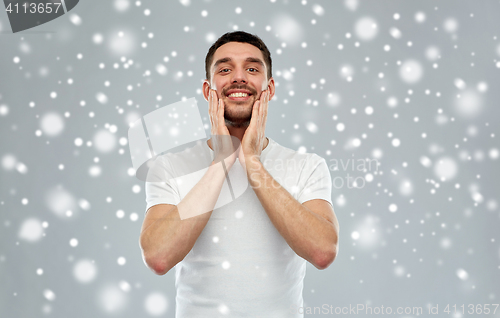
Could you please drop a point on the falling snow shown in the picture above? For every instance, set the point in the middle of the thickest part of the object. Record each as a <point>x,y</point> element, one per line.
<point>401,103</point>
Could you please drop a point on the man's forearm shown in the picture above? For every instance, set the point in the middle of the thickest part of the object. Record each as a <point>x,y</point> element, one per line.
<point>310,235</point>
<point>170,238</point>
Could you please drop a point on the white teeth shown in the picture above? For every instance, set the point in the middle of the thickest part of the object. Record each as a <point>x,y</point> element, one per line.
<point>238,95</point>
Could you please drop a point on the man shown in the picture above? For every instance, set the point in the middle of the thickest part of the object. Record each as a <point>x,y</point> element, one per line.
<point>246,258</point>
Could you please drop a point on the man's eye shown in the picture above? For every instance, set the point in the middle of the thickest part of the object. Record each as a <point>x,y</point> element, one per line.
<point>254,69</point>
<point>224,69</point>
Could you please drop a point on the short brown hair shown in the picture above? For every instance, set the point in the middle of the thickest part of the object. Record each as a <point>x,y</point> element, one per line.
<point>243,37</point>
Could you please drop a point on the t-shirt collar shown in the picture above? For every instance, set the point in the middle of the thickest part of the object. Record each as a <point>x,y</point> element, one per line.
<point>263,154</point>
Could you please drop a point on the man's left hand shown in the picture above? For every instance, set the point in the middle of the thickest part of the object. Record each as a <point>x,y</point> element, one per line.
<point>254,137</point>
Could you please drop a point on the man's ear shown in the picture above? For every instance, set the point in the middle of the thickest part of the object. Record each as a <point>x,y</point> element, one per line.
<point>206,89</point>
<point>271,88</point>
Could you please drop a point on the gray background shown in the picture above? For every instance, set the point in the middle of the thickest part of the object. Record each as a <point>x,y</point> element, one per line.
<point>441,245</point>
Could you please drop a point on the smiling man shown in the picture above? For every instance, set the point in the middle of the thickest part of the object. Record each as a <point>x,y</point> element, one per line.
<point>246,258</point>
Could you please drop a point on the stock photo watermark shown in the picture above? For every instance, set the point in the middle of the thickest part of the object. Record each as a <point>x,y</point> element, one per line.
<point>367,166</point>
<point>27,14</point>
<point>450,309</point>
<point>345,172</point>
<point>166,150</point>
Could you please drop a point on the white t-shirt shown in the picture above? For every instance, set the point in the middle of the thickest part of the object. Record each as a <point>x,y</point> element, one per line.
<point>241,266</point>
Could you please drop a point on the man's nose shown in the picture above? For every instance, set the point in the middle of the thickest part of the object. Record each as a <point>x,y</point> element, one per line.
<point>239,76</point>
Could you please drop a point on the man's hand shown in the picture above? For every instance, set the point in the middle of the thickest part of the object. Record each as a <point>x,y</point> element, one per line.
<point>223,144</point>
<point>254,137</point>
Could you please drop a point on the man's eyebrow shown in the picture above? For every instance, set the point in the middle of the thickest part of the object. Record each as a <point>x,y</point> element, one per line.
<point>255,60</point>
<point>248,59</point>
<point>223,60</point>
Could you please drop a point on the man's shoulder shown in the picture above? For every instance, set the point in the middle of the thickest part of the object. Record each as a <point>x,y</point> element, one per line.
<point>185,160</point>
<point>302,158</point>
<point>281,151</point>
<point>195,151</point>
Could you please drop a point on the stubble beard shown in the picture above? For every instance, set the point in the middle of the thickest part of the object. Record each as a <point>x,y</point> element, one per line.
<point>238,114</point>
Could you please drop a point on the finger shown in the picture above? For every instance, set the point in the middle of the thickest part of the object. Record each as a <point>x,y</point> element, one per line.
<point>215,110</point>
<point>261,105</point>
<point>212,99</point>
<point>255,113</point>
<point>266,106</point>
<point>209,102</point>
<point>263,111</point>
<point>216,113</point>
<point>212,108</point>
<point>220,114</point>
<point>263,101</point>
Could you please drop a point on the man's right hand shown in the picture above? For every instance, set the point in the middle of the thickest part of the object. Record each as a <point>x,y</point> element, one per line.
<point>224,145</point>
<point>169,232</point>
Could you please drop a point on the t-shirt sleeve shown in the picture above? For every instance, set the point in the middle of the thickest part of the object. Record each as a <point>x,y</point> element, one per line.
<point>317,182</point>
<point>163,191</point>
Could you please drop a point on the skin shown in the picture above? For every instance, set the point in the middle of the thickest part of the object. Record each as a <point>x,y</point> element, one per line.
<point>239,73</point>
<point>311,229</point>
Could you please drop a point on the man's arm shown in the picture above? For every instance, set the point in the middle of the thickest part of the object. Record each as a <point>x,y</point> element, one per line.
<point>311,229</point>
<point>169,232</point>
<point>166,238</point>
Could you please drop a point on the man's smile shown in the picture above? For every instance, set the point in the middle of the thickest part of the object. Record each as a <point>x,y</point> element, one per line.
<point>239,97</point>
<point>239,94</point>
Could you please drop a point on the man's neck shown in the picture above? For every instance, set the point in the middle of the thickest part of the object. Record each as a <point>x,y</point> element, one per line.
<point>238,133</point>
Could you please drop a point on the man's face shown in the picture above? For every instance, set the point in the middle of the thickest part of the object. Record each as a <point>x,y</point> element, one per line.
<point>239,75</point>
